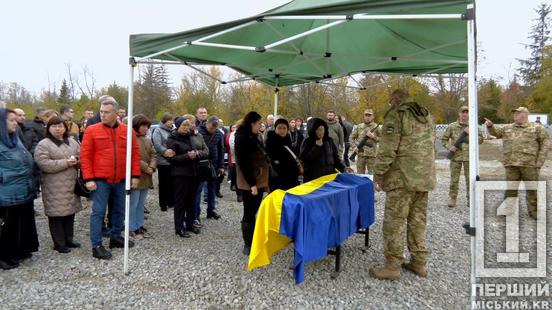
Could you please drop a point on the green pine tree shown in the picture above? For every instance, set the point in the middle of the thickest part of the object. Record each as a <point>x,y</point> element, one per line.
<point>531,68</point>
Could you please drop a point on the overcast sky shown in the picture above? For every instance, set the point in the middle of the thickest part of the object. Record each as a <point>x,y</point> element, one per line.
<point>40,37</point>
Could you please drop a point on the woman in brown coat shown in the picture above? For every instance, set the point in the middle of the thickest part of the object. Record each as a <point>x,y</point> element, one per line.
<point>252,169</point>
<point>148,165</point>
<point>57,157</point>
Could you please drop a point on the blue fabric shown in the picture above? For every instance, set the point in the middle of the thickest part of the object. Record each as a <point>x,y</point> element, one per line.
<point>136,211</point>
<point>99,205</point>
<point>326,217</point>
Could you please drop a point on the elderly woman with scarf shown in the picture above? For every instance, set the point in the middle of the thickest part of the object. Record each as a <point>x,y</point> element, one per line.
<point>318,152</point>
<point>57,157</point>
<point>189,149</point>
<point>18,189</point>
<point>285,172</point>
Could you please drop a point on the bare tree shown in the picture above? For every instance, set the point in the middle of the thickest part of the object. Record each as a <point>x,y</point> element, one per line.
<point>71,80</point>
<point>88,86</point>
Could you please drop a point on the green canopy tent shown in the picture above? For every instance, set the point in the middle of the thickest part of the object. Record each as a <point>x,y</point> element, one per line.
<point>307,41</point>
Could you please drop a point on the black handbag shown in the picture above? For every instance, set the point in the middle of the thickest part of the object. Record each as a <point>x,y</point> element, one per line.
<point>206,170</point>
<point>80,186</point>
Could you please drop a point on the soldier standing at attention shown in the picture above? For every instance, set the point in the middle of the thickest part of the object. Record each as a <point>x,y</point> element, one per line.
<point>364,141</point>
<point>461,157</point>
<point>525,146</point>
<point>405,170</point>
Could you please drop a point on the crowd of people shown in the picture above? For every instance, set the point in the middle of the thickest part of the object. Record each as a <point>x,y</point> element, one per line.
<point>52,155</point>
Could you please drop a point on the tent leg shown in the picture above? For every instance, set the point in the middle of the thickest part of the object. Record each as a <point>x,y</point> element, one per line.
<point>474,147</point>
<point>128,162</point>
<point>276,99</point>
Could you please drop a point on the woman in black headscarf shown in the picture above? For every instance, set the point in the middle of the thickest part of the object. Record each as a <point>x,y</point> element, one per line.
<point>318,152</point>
<point>18,189</point>
<point>285,172</point>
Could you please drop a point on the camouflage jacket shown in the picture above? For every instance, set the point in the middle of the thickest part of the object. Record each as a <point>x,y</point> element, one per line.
<point>523,145</point>
<point>406,153</point>
<point>360,132</point>
<point>451,135</point>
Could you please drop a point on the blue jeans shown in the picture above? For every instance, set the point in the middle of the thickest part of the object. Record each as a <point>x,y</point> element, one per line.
<point>137,204</point>
<point>211,188</point>
<point>99,205</point>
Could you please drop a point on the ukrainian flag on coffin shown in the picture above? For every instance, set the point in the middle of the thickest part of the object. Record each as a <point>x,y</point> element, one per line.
<point>315,216</point>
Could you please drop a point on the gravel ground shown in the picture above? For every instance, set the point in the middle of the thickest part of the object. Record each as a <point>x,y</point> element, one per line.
<point>209,270</point>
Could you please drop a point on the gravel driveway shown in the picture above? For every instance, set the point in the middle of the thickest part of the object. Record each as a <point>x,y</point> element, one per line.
<point>208,271</point>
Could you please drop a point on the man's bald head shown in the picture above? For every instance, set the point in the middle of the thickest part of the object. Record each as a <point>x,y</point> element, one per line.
<point>19,116</point>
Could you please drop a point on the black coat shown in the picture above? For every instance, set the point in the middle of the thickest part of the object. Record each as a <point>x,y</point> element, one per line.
<point>181,164</point>
<point>28,137</point>
<point>37,125</point>
<point>319,160</point>
<point>284,166</point>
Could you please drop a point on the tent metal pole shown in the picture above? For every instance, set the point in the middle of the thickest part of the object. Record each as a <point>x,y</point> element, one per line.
<point>366,17</point>
<point>227,31</point>
<point>276,90</point>
<point>297,50</point>
<point>474,146</point>
<point>304,34</point>
<point>409,16</point>
<point>166,51</point>
<point>231,46</point>
<point>128,174</point>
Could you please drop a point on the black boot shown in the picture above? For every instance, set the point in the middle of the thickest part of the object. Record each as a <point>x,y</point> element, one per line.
<point>247,233</point>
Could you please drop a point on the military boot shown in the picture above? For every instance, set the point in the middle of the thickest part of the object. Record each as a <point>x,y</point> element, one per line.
<point>389,272</point>
<point>452,203</point>
<point>419,269</point>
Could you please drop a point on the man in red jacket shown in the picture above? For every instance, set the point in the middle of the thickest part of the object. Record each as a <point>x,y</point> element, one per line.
<point>103,164</point>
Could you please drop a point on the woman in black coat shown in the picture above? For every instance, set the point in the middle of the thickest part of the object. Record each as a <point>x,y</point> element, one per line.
<point>318,152</point>
<point>252,173</point>
<point>285,173</point>
<point>189,149</point>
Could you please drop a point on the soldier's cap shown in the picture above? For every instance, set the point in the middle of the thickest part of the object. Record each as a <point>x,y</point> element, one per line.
<point>369,111</point>
<point>463,108</point>
<point>521,109</point>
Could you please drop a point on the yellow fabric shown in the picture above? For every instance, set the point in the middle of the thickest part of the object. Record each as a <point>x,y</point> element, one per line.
<point>267,239</point>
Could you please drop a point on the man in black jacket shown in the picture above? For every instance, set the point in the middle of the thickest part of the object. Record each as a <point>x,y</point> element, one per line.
<point>26,134</point>
<point>37,124</point>
<point>213,138</point>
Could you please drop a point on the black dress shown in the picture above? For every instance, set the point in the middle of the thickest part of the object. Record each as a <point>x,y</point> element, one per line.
<point>19,237</point>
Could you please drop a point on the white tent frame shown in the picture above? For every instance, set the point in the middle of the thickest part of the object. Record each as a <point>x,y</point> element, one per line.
<point>338,19</point>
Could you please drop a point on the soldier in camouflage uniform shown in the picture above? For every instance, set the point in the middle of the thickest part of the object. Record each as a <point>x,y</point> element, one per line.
<point>525,146</point>
<point>461,156</point>
<point>367,155</point>
<point>405,170</point>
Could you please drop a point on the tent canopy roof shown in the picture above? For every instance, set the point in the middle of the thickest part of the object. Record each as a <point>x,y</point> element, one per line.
<point>354,38</point>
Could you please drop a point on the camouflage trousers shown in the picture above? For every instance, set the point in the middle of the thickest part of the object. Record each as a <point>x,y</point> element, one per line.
<point>514,173</point>
<point>455,171</point>
<point>402,207</point>
<point>365,165</point>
